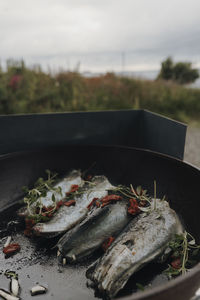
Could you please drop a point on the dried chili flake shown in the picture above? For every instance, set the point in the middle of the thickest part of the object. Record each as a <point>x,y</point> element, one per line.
<point>97,203</point>
<point>176,263</point>
<point>109,198</point>
<point>89,177</point>
<point>104,204</point>
<point>11,249</point>
<point>59,204</point>
<point>133,208</point>
<point>92,202</point>
<point>74,188</point>
<point>50,215</point>
<point>107,243</point>
<point>29,223</point>
<point>70,202</point>
<point>50,209</point>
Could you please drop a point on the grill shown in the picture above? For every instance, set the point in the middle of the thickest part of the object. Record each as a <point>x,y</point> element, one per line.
<point>128,147</point>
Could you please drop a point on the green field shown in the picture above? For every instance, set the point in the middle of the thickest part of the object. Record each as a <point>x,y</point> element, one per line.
<point>25,90</point>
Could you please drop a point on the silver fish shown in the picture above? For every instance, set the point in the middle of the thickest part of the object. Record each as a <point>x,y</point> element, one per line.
<point>90,235</point>
<point>144,239</point>
<point>74,177</point>
<point>68,217</point>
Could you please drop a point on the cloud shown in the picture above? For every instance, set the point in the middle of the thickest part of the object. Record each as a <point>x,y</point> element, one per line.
<point>97,32</point>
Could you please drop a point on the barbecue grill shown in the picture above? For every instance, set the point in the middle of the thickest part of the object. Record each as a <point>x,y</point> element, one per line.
<point>126,146</point>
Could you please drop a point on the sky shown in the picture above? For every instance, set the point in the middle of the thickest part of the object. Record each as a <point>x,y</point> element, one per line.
<point>100,35</point>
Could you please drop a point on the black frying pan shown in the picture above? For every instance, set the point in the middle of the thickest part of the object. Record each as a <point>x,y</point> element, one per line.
<point>35,263</point>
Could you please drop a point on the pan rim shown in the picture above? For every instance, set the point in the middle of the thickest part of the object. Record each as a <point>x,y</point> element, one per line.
<point>171,284</point>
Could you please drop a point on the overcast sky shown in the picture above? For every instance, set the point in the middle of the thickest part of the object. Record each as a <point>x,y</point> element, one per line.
<point>101,35</point>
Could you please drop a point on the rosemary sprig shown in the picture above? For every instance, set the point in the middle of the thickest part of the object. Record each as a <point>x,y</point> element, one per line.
<point>184,255</point>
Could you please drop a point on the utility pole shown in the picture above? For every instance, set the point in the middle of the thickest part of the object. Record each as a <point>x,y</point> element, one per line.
<point>123,61</point>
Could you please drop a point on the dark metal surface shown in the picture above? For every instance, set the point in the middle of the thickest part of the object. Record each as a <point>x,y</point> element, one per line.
<point>36,263</point>
<point>134,128</point>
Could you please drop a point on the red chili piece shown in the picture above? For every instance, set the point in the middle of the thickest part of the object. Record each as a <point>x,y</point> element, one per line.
<point>70,203</point>
<point>92,202</point>
<point>133,208</point>
<point>74,188</point>
<point>107,243</point>
<point>59,204</point>
<point>104,204</point>
<point>47,211</point>
<point>176,263</point>
<point>89,177</point>
<point>97,203</point>
<point>29,225</point>
<point>111,197</point>
<point>107,199</point>
<point>11,249</point>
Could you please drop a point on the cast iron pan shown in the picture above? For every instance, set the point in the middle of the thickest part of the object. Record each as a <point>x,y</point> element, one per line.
<point>36,262</point>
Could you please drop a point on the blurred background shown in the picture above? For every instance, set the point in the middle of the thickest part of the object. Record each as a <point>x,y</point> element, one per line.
<point>82,55</point>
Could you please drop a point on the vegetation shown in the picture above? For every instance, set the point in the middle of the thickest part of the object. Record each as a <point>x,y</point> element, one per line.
<point>180,72</point>
<point>25,90</point>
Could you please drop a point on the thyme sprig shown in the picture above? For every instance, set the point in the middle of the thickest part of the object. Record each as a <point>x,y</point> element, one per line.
<point>129,192</point>
<point>33,199</point>
<point>185,253</point>
<point>41,188</point>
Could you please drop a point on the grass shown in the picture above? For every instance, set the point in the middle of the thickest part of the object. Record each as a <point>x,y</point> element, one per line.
<point>25,90</point>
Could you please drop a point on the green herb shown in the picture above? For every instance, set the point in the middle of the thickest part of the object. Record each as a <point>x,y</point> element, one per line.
<point>140,286</point>
<point>41,187</point>
<point>145,203</point>
<point>184,255</point>
<point>129,192</point>
<point>33,198</point>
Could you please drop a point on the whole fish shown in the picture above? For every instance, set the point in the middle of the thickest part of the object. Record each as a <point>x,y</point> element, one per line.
<point>73,178</point>
<point>144,239</point>
<point>103,223</point>
<point>68,217</point>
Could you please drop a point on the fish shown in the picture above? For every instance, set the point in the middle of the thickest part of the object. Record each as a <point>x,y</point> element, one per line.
<point>102,224</point>
<point>67,217</point>
<point>144,239</point>
<point>73,178</point>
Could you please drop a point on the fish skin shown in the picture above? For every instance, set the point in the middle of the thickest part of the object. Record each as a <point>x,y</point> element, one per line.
<point>144,239</point>
<point>67,217</point>
<point>90,235</point>
<point>74,177</point>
